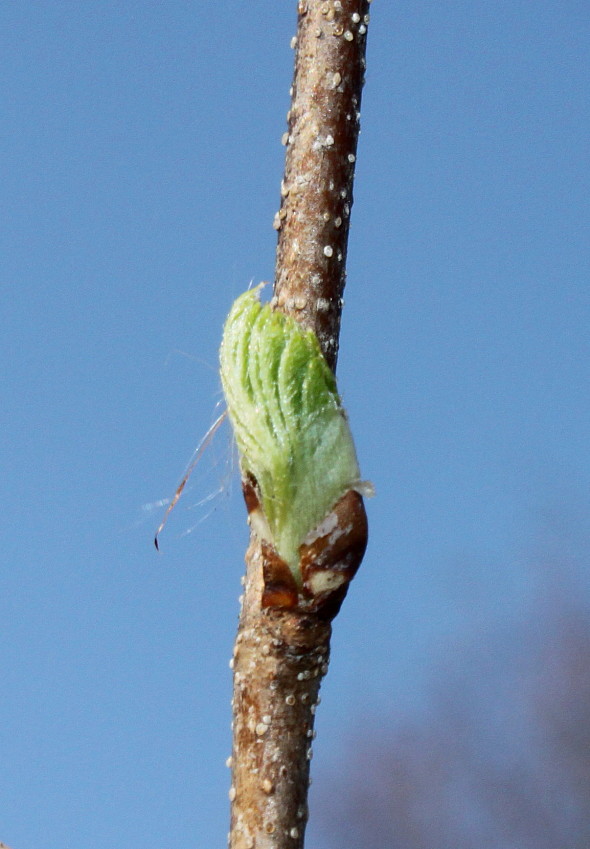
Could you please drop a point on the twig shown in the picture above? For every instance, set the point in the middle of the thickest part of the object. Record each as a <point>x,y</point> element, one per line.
<point>321,140</point>
<point>281,652</point>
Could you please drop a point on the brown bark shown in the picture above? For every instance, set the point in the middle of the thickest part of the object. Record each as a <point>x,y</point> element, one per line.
<point>279,659</point>
<point>282,650</point>
<point>316,191</point>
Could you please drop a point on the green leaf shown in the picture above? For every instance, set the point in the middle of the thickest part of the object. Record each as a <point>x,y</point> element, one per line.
<point>290,427</point>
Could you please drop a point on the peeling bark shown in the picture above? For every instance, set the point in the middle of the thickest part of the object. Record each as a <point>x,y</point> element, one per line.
<point>282,651</point>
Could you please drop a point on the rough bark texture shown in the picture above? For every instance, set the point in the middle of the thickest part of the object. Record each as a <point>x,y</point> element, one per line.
<point>321,140</point>
<point>281,654</point>
<point>279,659</point>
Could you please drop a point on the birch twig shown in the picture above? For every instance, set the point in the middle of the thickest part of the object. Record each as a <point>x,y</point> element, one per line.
<point>324,123</point>
<point>282,646</point>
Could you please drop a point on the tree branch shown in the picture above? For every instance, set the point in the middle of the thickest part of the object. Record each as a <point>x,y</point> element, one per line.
<point>282,646</point>
<point>279,660</point>
<point>316,191</point>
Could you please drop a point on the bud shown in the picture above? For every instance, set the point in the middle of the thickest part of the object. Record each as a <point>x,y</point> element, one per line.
<point>300,474</point>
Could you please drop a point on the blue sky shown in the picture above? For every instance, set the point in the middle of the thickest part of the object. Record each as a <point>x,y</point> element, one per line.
<point>141,161</point>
